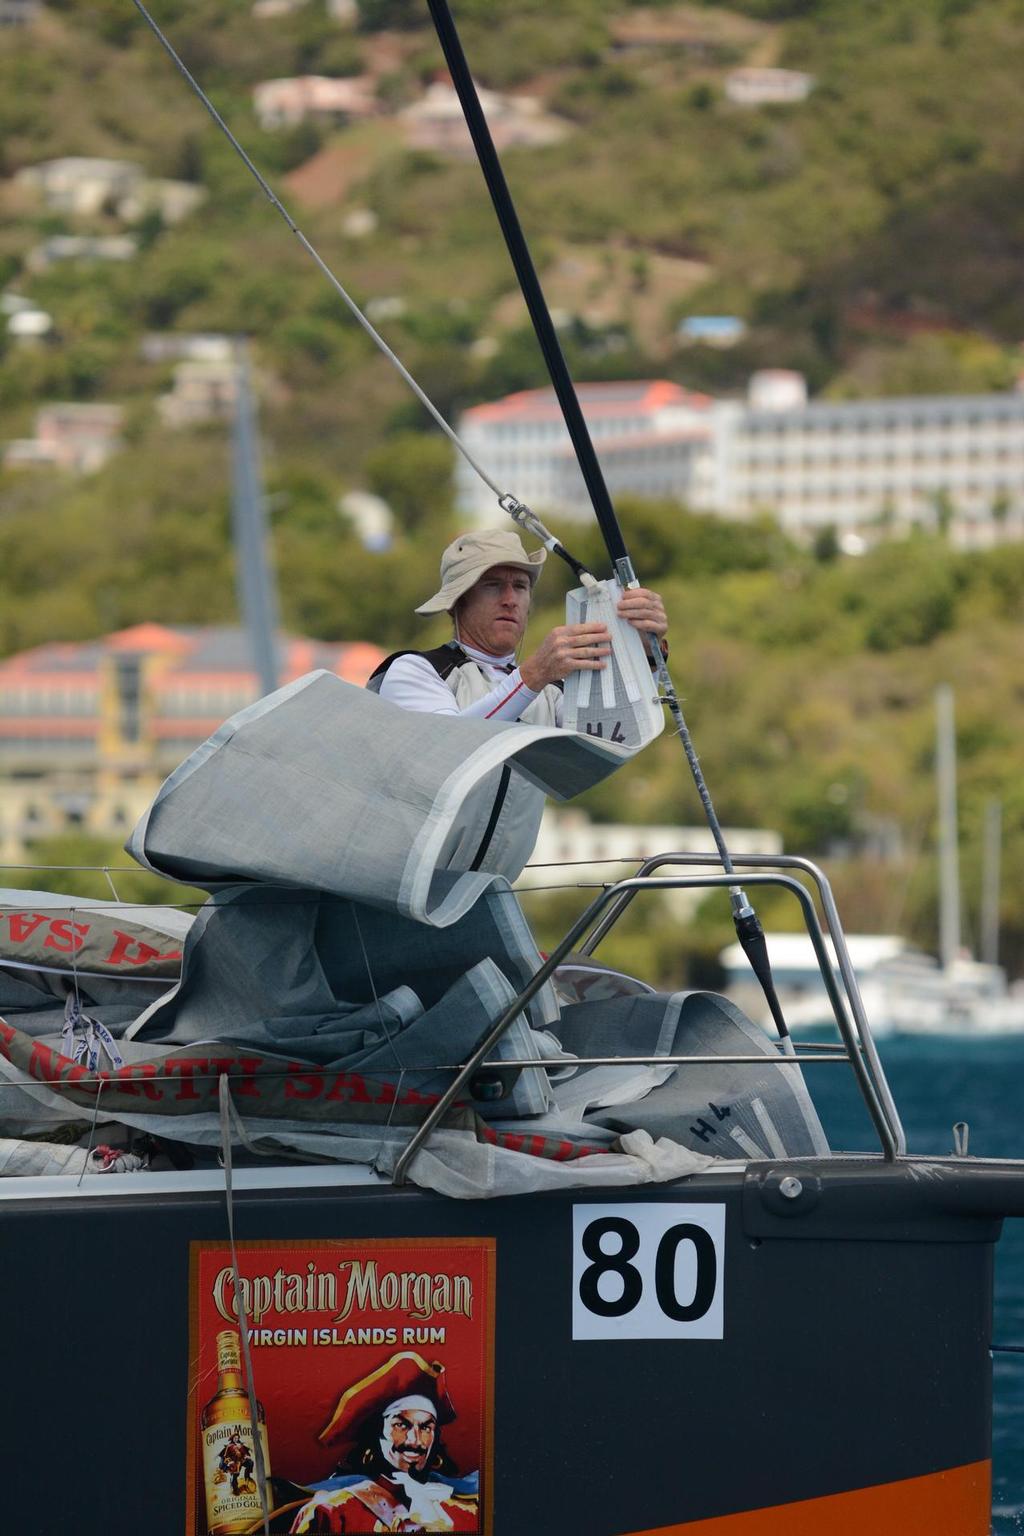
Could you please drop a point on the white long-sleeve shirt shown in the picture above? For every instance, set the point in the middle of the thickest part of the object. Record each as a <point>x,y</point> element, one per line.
<point>412,683</point>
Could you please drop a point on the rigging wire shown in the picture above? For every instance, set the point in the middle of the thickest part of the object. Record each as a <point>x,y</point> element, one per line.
<point>373,988</point>
<point>308,247</point>
<point>509,503</point>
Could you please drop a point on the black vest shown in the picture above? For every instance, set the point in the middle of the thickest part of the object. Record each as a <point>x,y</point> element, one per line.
<point>444,659</point>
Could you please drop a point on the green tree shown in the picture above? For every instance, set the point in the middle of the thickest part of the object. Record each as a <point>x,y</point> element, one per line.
<point>517,364</point>
<point>76,864</point>
<point>382,15</point>
<point>1001,510</point>
<point>826,545</point>
<point>912,600</point>
<point>944,512</point>
<point>175,278</point>
<point>412,472</point>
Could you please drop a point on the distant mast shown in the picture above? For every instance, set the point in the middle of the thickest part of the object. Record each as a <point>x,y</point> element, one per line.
<point>257,595</point>
<point>990,879</point>
<point>949,866</point>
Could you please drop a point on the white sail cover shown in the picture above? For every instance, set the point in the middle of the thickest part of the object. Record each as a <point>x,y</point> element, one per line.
<point>330,787</point>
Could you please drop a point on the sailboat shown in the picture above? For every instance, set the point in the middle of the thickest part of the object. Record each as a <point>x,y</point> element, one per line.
<point>915,994</point>
<point>736,1331</point>
<point>904,990</point>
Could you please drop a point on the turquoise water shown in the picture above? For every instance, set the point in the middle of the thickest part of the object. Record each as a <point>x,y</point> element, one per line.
<point>936,1082</point>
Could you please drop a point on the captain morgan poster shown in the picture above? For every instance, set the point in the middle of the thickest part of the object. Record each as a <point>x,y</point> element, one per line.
<point>373,1370</point>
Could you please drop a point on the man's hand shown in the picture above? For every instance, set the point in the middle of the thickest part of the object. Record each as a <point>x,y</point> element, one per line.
<point>644,610</point>
<point>569,648</point>
<point>583,647</point>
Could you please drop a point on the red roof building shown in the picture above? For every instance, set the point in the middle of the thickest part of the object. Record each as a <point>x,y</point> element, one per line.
<point>651,437</point>
<point>89,730</point>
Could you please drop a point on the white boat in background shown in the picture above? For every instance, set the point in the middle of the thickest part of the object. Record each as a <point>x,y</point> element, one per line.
<point>956,994</point>
<point>917,995</point>
<point>799,981</point>
<point>904,991</point>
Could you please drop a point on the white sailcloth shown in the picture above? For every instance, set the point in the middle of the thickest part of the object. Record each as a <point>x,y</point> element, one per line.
<point>619,703</point>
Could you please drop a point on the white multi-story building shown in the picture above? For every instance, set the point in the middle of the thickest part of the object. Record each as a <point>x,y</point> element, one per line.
<point>80,184</point>
<point>80,248</point>
<point>204,389</point>
<point>189,346</point>
<point>437,123</point>
<point>84,186</point>
<point>851,465</point>
<point>651,437</point>
<point>19,13</point>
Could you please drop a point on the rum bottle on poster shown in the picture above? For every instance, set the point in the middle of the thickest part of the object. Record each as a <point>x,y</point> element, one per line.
<point>229,1449</point>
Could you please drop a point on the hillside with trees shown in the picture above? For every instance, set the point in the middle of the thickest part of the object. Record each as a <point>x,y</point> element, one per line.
<point>870,236</point>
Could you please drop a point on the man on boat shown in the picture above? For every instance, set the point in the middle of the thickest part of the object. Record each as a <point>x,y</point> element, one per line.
<point>487,582</point>
<point>386,1430</point>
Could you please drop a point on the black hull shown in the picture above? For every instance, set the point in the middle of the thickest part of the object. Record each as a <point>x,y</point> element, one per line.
<point>853,1365</point>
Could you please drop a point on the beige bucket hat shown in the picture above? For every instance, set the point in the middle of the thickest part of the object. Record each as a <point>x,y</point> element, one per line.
<point>470,555</point>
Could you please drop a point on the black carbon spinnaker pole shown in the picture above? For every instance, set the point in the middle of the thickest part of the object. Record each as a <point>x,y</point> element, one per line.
<point>747,923</point>
<point>522,261</point>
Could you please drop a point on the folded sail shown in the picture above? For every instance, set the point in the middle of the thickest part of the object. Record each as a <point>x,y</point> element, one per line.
<point>329,787</point>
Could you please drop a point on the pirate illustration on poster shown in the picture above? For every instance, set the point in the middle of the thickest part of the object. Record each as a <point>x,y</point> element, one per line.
<point>368,1403</point>
<point>393,1471</point>
<point>236,1462</point>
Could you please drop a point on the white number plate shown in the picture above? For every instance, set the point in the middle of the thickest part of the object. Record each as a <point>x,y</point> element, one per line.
<point>648,1271</point>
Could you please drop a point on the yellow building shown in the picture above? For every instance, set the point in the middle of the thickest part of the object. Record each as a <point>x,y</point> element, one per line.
<point>89,731</point>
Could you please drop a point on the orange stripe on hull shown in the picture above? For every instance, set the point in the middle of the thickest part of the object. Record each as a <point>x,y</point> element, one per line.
<point>953,1503</point>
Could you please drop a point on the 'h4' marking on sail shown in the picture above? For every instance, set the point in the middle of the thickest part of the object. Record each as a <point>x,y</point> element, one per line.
<point>618,734</point>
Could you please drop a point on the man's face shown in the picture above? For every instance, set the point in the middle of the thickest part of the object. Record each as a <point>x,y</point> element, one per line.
<point>408,1439</point>
<point>492,615</point>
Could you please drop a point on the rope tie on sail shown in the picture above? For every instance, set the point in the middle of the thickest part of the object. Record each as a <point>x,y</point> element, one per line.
<point>92,1130</point>
<point>373,989</point>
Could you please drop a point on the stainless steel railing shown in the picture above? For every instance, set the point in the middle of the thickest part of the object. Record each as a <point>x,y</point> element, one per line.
<point>598,920</point>
<point>611,903</point>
